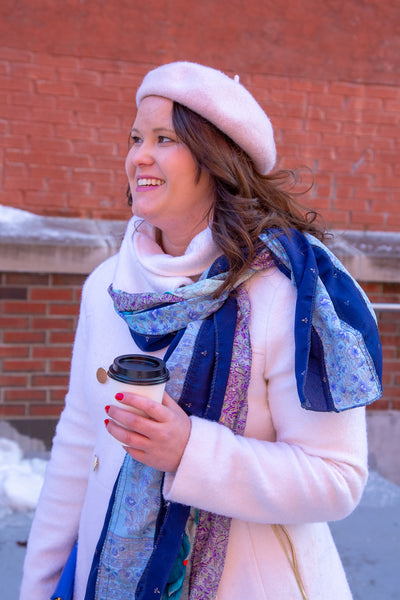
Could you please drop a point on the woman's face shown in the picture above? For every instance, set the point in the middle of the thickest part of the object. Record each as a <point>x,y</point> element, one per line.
<point>162,174</point>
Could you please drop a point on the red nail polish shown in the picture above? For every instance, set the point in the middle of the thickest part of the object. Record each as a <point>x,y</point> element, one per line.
<point>107,408</point>
<point>119,396</point>
<point>106,422</point>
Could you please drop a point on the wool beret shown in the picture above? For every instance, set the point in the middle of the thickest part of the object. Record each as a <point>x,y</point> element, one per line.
<point>221,100</point>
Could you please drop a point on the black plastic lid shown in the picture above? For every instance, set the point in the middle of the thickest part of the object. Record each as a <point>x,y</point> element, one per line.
<point>138,369</point>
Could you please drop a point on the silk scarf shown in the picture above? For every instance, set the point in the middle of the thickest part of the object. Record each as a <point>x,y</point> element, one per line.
<point>337,363</point>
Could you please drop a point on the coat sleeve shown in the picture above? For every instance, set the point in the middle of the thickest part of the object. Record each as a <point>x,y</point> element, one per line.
<point>315,468</point>
<point>55,525</point>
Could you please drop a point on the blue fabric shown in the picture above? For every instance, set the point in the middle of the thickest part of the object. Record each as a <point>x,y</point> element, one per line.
<point>338,353</point>
<point>65,585</point>
<point>92,579</point>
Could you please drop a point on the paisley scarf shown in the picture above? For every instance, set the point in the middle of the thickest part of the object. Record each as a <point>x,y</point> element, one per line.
<point>337,361</point>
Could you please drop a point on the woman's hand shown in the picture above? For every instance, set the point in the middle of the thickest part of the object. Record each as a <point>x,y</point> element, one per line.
<point>157,438</point>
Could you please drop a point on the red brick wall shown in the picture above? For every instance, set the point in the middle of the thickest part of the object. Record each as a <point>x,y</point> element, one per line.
<point>65,121</point>
<point>327,74</point>
<point>37,325</point>
<point>38,317</point>
<point>389,328</point>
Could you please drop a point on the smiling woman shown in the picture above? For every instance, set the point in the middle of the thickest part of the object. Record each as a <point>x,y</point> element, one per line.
<point>162,175</point>
<point>224,490</point>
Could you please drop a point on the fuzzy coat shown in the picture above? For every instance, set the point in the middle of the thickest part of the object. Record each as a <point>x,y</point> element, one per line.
<point>292,467</point>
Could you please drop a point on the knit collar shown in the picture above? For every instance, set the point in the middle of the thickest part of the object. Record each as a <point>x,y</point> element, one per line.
<point>143,266</point>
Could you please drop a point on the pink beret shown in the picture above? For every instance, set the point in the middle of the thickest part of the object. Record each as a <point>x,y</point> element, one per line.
<point>221,100</point>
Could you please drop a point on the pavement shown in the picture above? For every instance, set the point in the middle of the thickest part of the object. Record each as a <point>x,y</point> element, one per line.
<point>368,542</point>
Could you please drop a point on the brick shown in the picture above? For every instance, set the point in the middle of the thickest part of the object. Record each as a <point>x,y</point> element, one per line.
<point>27,337</point>
<point>68,279</point>
<point>64,309</point>
<point>61,337</point>
<point>363,218</point>
<point>47,145</point>
<point>391,392</point>
<point>12,411</point>
<point>14,323</point>
<point>9,351</point>
<point>23,365</point>
<point>324,100</point>
<point>87,147</point>
<point>98,92</point>
<point>56,88</point>
<point>52,323</point>
<point>80,76</point>
<point>52,116</point>
<point>17,293</point>
<point>392,105</point>
<point>388,353</point>
<point>381,404</point>
<point>12,112</point>
<point>8,141</point>
<point>51,351</point>
<point>60,366</point>
<point>28,70</point>
<point>72,160</point>
<point>16,170</point>
<point>78,104</point>
<point>15,83</point>
<point>364,103</point>
<point>57,395</point>
<point>51,294</point>
<point>74,132</point>
<point>344,88</point>
<point>29,100</point>
<point>97,175</point>
<point>58,61</point>
<point>28,183</point>
<point>49,380</point>
<point>45,410</point>
<point>27,395</point>
<point>31,308</point>
<point>13,381</point>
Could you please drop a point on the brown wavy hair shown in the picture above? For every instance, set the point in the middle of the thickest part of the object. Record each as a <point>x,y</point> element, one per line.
<point>246,202</point>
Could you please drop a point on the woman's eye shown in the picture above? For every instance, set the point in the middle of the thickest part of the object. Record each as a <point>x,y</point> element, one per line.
<point>135,139</point>
<point>163,139</point>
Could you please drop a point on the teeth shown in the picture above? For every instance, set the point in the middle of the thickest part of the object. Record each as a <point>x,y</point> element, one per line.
<point>144,181</point>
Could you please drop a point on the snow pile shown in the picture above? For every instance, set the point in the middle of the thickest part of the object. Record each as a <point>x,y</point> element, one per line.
<point>21,479</point>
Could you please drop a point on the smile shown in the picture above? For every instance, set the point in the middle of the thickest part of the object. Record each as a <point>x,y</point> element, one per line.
<point>146,182</point>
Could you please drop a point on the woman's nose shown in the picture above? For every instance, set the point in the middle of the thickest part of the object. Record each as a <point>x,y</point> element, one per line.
<point>141,155</point>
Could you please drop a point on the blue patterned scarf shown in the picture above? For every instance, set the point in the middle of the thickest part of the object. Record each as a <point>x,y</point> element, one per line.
<point>338,366</point>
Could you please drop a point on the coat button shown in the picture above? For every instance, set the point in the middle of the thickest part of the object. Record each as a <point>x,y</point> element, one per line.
<point>101,375</point>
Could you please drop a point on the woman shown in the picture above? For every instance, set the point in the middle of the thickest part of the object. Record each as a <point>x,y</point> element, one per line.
<point>224,490</point>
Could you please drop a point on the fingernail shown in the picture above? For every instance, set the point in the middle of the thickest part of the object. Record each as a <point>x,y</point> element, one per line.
<point>107,408</point>
<point>106,422</point>
<point>119,396</point>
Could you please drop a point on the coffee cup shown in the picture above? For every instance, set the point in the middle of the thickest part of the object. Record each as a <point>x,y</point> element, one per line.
<point>139,374</point>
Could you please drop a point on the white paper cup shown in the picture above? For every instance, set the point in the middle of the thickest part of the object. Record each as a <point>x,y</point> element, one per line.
<point>138,374</point>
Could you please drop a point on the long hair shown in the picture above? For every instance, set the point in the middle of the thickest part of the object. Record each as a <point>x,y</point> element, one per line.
<point>245,202</point>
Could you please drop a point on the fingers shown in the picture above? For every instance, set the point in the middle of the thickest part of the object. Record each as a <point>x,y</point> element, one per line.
<point>141,405</point>
<point>157,436</point>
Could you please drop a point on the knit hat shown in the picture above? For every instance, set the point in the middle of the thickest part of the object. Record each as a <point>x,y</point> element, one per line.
<point>221,100</point>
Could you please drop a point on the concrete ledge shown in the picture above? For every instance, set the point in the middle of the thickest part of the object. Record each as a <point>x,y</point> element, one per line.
<point>32,243</point>
<point>368,255</point>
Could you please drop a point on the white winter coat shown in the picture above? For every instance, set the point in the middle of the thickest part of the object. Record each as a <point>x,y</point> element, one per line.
<point>292,467</point>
